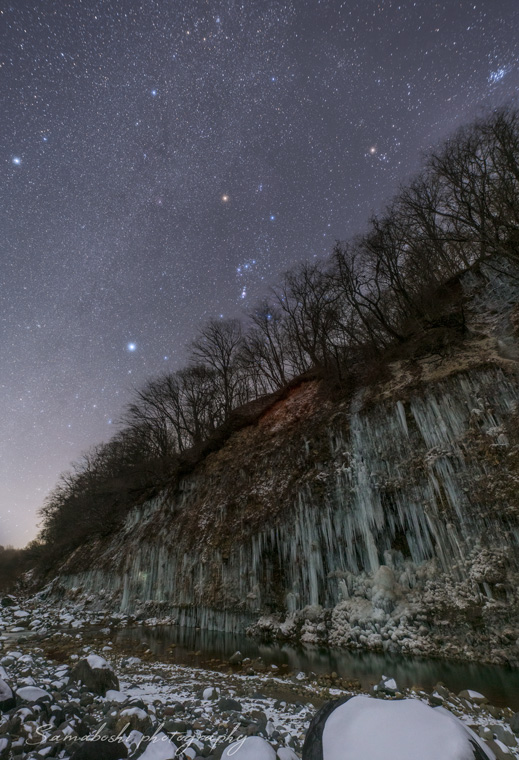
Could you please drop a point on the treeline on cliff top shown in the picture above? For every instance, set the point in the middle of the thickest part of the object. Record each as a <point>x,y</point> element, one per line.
<point>338,318</point>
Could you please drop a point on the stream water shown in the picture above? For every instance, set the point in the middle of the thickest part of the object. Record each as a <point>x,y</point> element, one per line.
<point>195,647</point>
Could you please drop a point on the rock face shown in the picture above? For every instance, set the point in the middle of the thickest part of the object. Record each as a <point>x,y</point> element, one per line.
<point>384,520</point>
<point>362,728</point>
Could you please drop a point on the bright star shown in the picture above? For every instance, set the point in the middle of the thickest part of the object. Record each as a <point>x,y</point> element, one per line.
<point>17,161</point>
<point>153,93</point>
<point>131,346</point>
<point>373,150</point>
<point>225,198</point>
<point>272,217</point>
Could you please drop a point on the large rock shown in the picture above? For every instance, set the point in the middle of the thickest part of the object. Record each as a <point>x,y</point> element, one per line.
<point>363,728</point>
<point>96,674</point>
<point>473,696</point>
<point>133,719</point>
<point>160,748</point>
<point>7,700</point>
<point>226,704</point>
<point>33,694</point>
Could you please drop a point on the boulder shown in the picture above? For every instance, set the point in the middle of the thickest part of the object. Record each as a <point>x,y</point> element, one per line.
<point>514,723</point>
<point>211,692</point>
<point>160,748</point>
<point>226,704</point>
<point>7,700</point>
<point>473,696</point>
<point>364,728</point>
<point>33,694</point>
<point>95,673</point>
<point>131,719</point>
<point>504,736</point>
<point>387,685</point>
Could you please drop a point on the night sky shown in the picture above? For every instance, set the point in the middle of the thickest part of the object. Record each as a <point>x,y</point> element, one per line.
<point>164,160</point>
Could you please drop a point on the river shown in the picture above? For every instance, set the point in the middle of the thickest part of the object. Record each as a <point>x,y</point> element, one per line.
<point>195,647</point>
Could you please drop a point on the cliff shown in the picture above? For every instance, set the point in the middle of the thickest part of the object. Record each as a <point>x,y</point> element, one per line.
<point>387,519</point>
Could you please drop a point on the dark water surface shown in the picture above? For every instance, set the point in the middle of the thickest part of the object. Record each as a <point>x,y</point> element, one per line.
<point>195,647</point>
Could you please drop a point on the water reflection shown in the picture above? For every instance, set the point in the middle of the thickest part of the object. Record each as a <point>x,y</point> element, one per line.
<point>499,684</point>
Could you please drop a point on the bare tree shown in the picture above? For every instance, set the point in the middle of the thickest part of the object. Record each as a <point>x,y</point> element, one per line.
<point>218,346</point>
<point>309,304</point>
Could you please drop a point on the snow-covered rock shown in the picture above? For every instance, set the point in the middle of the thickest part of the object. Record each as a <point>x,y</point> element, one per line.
<point>161,748</point>
<point>7,700</point>
<point>95,673</point>
<point>116,696</point>
<point>211,693</point>
<point>473,696</point>
<point>32,693</point>
<point>364,728</point>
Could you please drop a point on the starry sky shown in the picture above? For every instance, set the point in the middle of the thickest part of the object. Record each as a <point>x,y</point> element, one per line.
<point>163,161</point>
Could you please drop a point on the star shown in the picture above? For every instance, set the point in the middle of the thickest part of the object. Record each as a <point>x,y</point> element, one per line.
<point>131,347</point>
<point>225,198</point>
<point>17,160</point>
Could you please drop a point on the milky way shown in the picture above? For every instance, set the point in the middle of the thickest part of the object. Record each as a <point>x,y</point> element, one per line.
<point>163,161</point>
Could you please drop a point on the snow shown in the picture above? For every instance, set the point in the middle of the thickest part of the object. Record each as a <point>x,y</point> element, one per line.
<point>160,748</point>
<point>97,663</point>
<point>406,729</point>
<point>130,711</point>
<point>251,748</point>
<point>112,695</point>
<point>475,694</point>
<point>32,693</point>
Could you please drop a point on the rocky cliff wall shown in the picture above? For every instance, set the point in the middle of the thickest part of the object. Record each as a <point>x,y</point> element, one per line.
<point>388,520</point>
